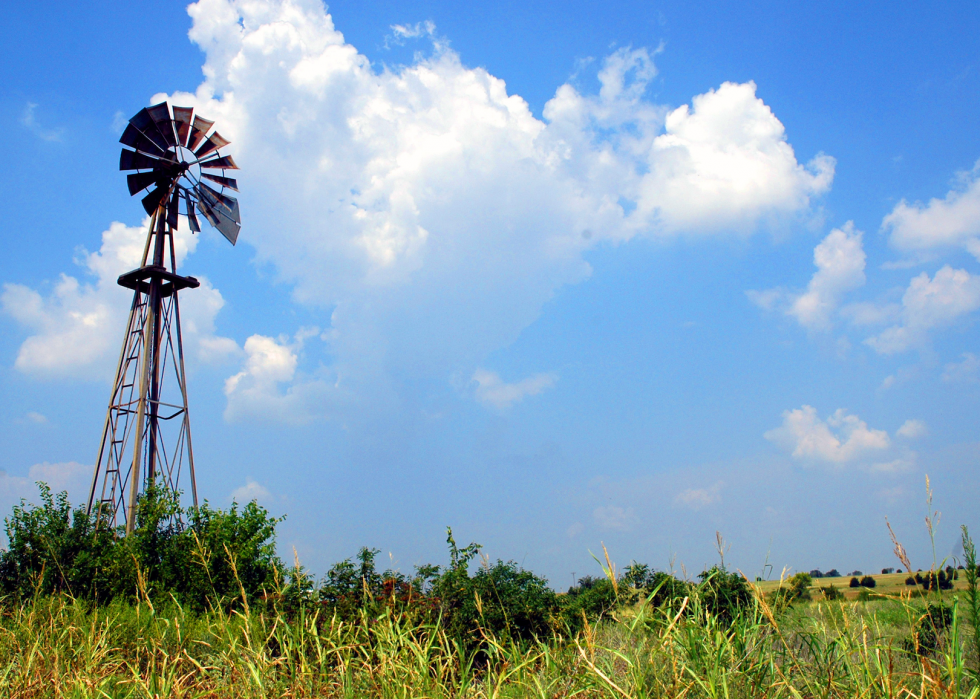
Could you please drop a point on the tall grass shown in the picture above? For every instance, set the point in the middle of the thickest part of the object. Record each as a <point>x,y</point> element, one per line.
<point>62,647</point>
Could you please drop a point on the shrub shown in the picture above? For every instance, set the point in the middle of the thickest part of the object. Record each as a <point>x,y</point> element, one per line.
<point>216,558</point>
<point>831,593</point>
<point>868,581</point>
<point>929,630</point>
<point>854,583</point>
<point>910,581</point>
<point>723,594</point>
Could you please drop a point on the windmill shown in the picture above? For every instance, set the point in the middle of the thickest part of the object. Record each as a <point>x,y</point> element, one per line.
<point>147,432</point>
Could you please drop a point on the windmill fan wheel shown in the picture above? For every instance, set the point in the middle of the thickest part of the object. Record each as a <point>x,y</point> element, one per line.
<point>178,163</point>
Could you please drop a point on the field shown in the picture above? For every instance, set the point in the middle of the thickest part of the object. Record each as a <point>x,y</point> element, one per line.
<point>891,585</point>
<point>60,647</point>
<point>207,609</point>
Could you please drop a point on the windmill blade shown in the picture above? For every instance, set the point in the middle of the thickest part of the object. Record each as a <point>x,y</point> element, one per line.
<point>134,138</point>
<point>152,200</point>
<point>183,117</point>
<point>214,198</point>
<point>213,143</point>
<point>141,180</point>
<point>128,160</point>
<point>199,130</point>
<point>173,209</point>
<point>221,211</point>
<point>148,127</point>
<point>225,163</point>
<point>223,181</point>
<point>191,216</point>
<point>160,113</point>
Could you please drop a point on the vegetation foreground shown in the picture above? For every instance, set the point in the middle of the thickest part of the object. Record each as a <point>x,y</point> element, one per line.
<point>67,630</point>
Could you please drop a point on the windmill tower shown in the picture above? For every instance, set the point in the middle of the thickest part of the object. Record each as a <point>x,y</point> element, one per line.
<point>147,433</point>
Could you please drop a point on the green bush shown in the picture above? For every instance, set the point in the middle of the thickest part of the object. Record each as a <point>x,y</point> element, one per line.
<point>831,593</point>
<point>868,581</point>
<point>854,583</point>
<point>217,558</point>
<point>723,594</point>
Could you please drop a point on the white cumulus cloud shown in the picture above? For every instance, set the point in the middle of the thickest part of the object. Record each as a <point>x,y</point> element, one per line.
<point>942,223</point>
<point>912,429</point>
<point>431,212</point>
<point>928,304</point>
<point>840,439</point>
<point>266,387</point>
<point>77,327</point>
<point>493,390</point>
<point>840,261</point>
<point>250,491</point>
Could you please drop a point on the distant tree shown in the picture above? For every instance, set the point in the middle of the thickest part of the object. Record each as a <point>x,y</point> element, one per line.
<point>854,583</point>
<point>868,581</point>
<point>815,573</point>
<point>888,571</point>
<point>856,572</point>
<point>832,573</point>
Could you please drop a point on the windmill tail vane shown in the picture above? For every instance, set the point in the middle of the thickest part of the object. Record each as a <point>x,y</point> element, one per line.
<point>146,438</point>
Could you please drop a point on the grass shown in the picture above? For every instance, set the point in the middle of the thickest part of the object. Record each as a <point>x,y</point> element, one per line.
<point>60,647</point>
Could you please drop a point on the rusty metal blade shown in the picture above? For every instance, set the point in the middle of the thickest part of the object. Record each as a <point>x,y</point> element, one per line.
<point>191,216</point>
<point>134,138</point>
<point>223,181</point>
<point>141,180</point>
<point>183,117</point>
<point>160,113</point>
<point>173,209</point>
<point>223,215</point>
<point>148,127</point>
<point>128,160</point>
<point>152,200</point>
<point>225,163</point>
<point>213,143</point>
<point>215,197</point>
<point>199,130</point>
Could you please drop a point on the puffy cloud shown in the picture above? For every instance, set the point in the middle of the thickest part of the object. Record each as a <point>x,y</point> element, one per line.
<point>942,223</point>
<point>912,429</point>
<point>250,491</point>
<point>928,304</point>
<point>78,327</point>
<point>840,260</point>
<point>967,370</point>
<point>492,390</point>
<point>841,439</point>
<point>429,209</point>
<point>699,498</point>
<point>725,163</point>
<point>258,391</point>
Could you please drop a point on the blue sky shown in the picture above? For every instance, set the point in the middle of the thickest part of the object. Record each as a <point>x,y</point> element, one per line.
<point>551,274</point>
